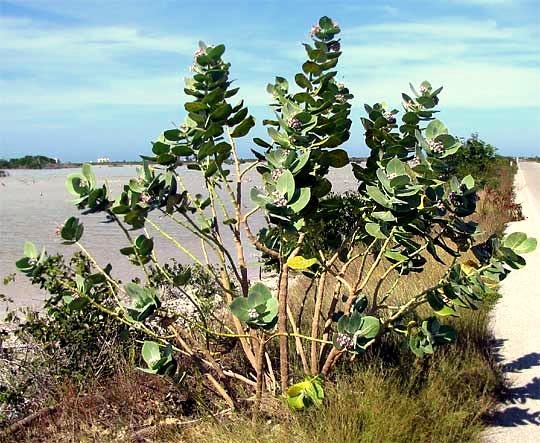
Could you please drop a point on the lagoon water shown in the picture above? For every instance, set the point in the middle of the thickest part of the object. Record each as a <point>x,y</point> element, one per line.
<point>33,203</point>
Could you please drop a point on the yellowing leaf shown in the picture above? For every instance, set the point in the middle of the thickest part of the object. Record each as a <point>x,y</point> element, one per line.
<point>300,262</point>
<point>421,205</point>
<point>469,267</point>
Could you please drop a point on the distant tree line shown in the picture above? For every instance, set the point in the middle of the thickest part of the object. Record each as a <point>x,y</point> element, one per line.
<point>28,162</point>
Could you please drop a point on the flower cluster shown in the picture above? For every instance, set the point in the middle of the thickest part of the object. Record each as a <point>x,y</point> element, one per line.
<point>453,197</point>
<point>436,147</point>
<point>440,207</point>
<point>414,162</point>
<point>280,199</point>
<point>340,98</point>
<point>446,299</point>
<point>253,314</point>
<point>344,341</point>
<point>295,123</point>
<point>146,197</point>
<point>335,46</point>
<point>276,173</point>
<point>390,117</point>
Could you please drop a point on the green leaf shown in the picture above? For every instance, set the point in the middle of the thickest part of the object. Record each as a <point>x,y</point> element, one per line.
<point>135,186</point>
<point>410,118</point>
<point>262,143</point>
<point>306,393</point>
<point>259,197</point>
<point>215,52</point>
<point>160,148</point>
<point>182,150</point>
<point>302,81</point>
<point>222,112</point>
<point>311,68</point>
<point>210,170</point>
<point>519,243</point>
<point>439,306</point>
<point>374,230</point>
<point>78,303</point>
<point>30,250</point>
<point>258,294</point>
<point>386,216</point>
<point>151,353</point>
<point>244,127</point>
<point>89,175</point>
<point>238,117</point>
<point>166,159</point>
<point>72,230</point>
<point>300,199</point>
<point>269,317</point>
<point>278,137</point>
<point>240,307</point>
<point>393,255</point>
<point>395,166</point>
<point>73,184</point>
<point>326,22</point>
<point>285,184</point>
<point>434,129</point>
<point>195,106</point>
<point>336,158</point>
<point>468,181</point>
<point>376,194</point>
<point>300,262</point>
<point>300,162</point>
<point>182,278</point>
<point>172,135</point>
<point>369,327</point>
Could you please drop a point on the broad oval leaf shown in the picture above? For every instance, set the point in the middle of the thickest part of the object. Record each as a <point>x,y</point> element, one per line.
<point>300,262</point>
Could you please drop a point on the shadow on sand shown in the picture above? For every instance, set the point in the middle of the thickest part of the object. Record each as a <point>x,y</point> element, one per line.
<point>508,415</point>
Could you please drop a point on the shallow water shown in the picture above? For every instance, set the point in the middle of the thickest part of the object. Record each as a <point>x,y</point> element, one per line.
<point>34,202</point>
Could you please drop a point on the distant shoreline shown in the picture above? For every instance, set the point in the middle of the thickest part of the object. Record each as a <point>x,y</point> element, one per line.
<point>75,165</point>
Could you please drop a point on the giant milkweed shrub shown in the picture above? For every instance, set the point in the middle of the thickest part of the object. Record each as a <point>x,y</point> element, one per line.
<point>406,211</point>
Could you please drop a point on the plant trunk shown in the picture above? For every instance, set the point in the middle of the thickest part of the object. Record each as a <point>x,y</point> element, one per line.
<point>260,376</point>
<point>282,327</point>
<point>315,324</point>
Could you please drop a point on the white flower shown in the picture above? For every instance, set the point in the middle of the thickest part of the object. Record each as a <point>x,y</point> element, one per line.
<point>253,314</point>
<point>276,173</point>
<point>314,29</point>
<point>390,117</point>
<point>344,341</point>
<point>145,197</point>
<point>295,123</point>
<point>436,147</point>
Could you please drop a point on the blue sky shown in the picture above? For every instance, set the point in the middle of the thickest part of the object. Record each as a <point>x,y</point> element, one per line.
<point>86,78</point>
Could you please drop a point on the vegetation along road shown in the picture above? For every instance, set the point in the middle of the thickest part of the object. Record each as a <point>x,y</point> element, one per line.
<point>516,325</point>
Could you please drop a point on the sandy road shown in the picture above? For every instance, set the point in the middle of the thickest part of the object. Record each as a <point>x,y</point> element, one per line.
<point>516,326</point>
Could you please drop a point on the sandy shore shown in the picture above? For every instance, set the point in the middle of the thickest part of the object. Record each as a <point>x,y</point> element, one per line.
<point>516,326</point>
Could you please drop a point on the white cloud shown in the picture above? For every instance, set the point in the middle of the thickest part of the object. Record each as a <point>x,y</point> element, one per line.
<point>480,63</point>
<point>466,85</point>
<point>24,35</point>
